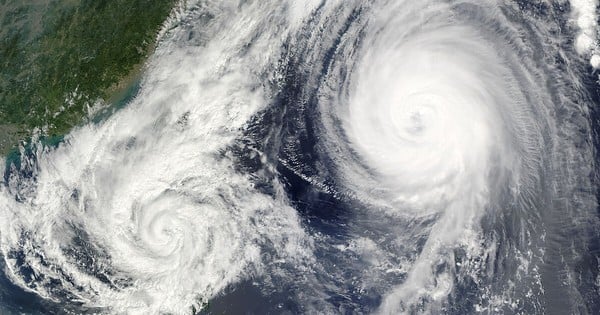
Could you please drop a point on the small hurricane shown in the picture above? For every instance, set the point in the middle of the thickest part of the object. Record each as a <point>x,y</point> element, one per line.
<point>391,157</point>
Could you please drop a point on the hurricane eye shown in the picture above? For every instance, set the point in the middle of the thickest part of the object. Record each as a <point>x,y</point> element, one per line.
<point>300,157</point>
<point>415,123</point>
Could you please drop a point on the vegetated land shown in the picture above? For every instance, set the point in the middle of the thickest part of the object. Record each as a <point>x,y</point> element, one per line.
<point>58,56</point>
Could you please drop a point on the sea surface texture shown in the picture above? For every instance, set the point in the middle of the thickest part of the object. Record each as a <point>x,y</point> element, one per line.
<point>326,157</point>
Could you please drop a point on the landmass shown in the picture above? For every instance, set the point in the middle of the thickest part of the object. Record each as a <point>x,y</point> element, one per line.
<point>58,58</point>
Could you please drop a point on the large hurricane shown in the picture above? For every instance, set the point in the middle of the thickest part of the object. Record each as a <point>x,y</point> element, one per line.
<point>390,157</point>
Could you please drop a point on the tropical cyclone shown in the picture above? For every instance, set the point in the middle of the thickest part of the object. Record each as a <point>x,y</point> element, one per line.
<point>365,156</point>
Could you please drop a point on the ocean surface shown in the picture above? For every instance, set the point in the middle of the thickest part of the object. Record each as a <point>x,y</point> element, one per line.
<point>331,157</point>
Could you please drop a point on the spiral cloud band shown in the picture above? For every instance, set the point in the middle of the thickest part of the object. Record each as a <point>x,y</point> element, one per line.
<point>327,157</point>
<point>141,214</point>
<point>441,120</point>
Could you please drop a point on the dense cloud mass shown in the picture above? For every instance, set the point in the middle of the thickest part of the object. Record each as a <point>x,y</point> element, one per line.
<point>338,156</point>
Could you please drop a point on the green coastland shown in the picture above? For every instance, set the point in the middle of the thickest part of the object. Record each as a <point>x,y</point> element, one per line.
<point>58,57</point>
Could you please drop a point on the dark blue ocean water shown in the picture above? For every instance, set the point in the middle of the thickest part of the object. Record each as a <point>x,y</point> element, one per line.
<point>289,134</point>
